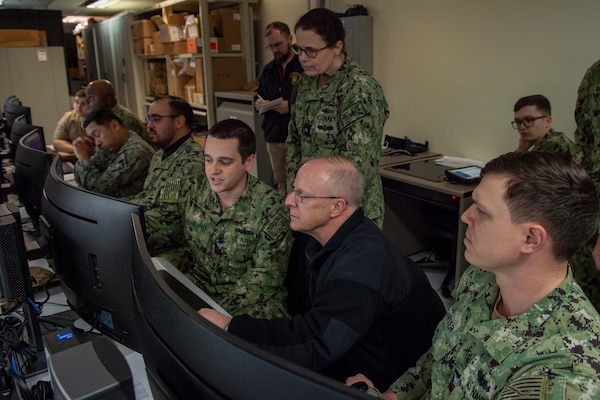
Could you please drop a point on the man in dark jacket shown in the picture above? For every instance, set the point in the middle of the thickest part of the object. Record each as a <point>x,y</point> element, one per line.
<point>277,81</point>
<point>368,307</point>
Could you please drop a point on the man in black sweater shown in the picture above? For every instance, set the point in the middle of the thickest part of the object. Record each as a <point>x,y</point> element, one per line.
<point>368,307</point>
<point>277,80</point>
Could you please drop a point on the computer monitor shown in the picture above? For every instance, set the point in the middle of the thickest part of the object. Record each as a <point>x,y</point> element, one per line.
<point>188,357</point>
<point>13,110</point>
<point>32,163</point>
<point>20,128</point>
<point>90,246</point>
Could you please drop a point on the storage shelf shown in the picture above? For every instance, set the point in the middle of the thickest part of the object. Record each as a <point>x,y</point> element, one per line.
<point>202,8</point>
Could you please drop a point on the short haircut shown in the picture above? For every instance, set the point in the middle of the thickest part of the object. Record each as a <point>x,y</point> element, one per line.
<point>537,100</point>
<point>80,93</point>
<point>235,129</point>
<point>279,26</point>
<point>179,106</point>
<point>324,23</point>
<point>345,180</point>
<point>102,117</point>
<point>553,191</point>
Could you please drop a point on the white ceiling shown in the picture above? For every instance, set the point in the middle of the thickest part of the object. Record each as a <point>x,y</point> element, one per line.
<point>72,7</point>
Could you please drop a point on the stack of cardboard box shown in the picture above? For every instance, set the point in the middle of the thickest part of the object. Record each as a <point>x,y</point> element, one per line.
<point>141,33</point>
<point>22,38</point>
<point>180,34</point>
<point>171,34</point>
<point>157,76</point>
<point>227,30</point>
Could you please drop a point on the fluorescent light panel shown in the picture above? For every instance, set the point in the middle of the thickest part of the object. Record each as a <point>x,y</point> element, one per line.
<point>102,3</point>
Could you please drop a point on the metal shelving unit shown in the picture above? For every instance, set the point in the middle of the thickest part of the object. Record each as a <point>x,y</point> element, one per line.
<point>202,8</point>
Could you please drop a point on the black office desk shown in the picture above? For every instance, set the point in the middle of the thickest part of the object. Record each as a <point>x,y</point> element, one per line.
<point>421,214</point>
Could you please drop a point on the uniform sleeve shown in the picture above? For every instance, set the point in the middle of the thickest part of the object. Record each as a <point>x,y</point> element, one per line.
<point>132,123</point>
<point>416,381</point>
<point>258,290</point>
<point>126,173</point>
<point>557,143</point>
<point>293,157</point>
<point>164,220</point>
<point>587,118</point>
<point>61,132</point>
<point>362,116</point>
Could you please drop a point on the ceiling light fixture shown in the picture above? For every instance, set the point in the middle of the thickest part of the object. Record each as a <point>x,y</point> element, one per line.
<point>101,3</point>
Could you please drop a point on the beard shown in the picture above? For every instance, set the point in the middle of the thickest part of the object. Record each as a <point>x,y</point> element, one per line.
<point>281,57</point>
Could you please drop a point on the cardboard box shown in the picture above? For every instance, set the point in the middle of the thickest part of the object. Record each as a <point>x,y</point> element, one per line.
<point>157,77</point>
<point>192,46</point>
<point>176,80</point>
<point>141,46</point>
<point>180,48</point>
<point>157,43</point>
<point>198,98</point>
<point>142,28</point>
<point>189,88</point>
<point>22,38</point>
<point>228,74</point>
<point>198,68</point>
<point>190,29</point>
<point>214,44</point>
<point>172,31</point>
<point>227,25</point>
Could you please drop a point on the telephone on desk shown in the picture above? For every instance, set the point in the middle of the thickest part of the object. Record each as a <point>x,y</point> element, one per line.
<point>393,145</point>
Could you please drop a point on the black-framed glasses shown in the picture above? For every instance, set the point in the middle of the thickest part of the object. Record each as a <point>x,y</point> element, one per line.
<point>312,53</point>
<point>300,197</point>
<point>274,45</point>
<point>156,118</point>
<point>527,122</point>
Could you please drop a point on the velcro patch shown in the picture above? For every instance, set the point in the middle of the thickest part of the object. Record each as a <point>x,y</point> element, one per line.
<point>277,225</point>
<point>170,191</point>
<point>526,388</point>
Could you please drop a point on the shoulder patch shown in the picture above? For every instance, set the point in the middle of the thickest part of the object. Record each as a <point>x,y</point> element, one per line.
<point>170,191</point>
<point>277,225</point>
<point>526,388</point>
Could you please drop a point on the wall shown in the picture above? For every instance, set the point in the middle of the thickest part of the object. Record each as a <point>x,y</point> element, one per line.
<point>452,71</point>
<point>36,75</point>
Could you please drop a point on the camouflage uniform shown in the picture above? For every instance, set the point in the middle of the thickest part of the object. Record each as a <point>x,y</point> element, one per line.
<point>555,142</point>
<point>118,174</point>
<point>344,117</point>
<point>549,352</point>
<point>587,147</point>
<point>241,255</point>
<point>131,122</point>
<point>167,183</point>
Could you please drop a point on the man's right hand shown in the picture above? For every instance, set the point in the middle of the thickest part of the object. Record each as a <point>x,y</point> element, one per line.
<point>258,103</point>
<point>84,148</point>
<point>524,145</point>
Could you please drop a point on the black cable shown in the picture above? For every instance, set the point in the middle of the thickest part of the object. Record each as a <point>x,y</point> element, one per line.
<point>41,390</point>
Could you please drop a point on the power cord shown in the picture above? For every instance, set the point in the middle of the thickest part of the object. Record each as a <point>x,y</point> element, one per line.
<point>11,369</point>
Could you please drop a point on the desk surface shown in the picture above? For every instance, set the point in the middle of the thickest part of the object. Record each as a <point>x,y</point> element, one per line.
<point>443,187</point>
<point>394,159</point>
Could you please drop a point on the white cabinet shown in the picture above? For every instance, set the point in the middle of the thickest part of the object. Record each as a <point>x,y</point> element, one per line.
<point>37,76</point>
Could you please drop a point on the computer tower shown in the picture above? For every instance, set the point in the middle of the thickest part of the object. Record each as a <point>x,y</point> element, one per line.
<point>14,268</point>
